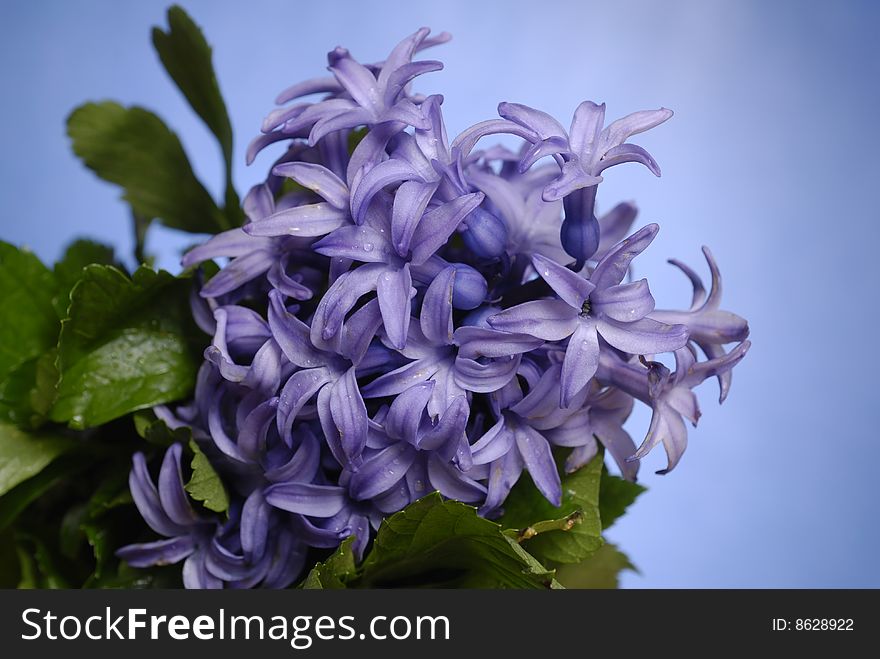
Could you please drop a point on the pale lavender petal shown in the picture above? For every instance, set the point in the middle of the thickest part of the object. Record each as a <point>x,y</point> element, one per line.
<point>405,74</point>
<point>359,330</point>
<point>355,77</point>
<point>543,125</point>
<point>407,113</point>
<point>306,499</point>
<point>254,525</point>
<point>627,153</point>
<point>539,461</point>
<point>551,320</point>
<point>586,124</point>
<point>612,269</point>
<point>258,202</point>
<point>359,243</point>
<point>581,360</point>
<point>262,141</point>
<point>313,86</point>
<point>297,391</point>
<point>395,291</point>
<point>292,335</point>
<point>403,53</point>
<point>252,433</point>
<point>619,131</point>
<point>503,475</point>
<point>484,342</point>
<point>332,123</point>
<point>643,337</point>
<point>548,147</point>
<point>436,316</point>
<point>389,172</point>
<point>438,224</point>
<point>349,414</point>
<point>307,221</point>
<point>382,471</point>
<point>624,302</point>
<point>410,201</point>
<point>570,286</point>
<point>174,500</point>
<point>339,300</point>
<point>161,552</point>
<point>699,296</point>
<point>444,437</point>
<point>451,482</point>
<point>466,140</point>
<point>485,378</point>
<point>407,411</point>
<point>239,272</point>
<point>318,179</point>
<point>146,498</point>
<point>232,243</point>
<point>573,178</point>
<point>196,574</point>
<point>495,443</point>
<point>543,397</point>
<point>400,379</point>
<point>304,464</point>
<point>581,455</point>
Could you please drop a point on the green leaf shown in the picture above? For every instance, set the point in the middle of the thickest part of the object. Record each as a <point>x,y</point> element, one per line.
<point>601,570</point>
<point>155,431</point>
<point>335,571</point>
<point>28,393</point>
<point>23,455</point>
<point>39,565</point>
<point>440,543</point>
<point>69,270</point>
<point>16,500</point>
<point>186,56</point>
<point>525,507</point>
<point>134,149</point>
<point>28,322</point>
<point>129,344</point>
<point>615,496</point>
<point>205,484</point>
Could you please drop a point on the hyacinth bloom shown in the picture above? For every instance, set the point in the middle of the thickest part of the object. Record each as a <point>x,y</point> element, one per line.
<point>594,307</point>
<point>401,314</point>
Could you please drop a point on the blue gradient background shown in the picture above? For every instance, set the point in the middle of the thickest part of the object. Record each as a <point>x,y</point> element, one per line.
<point>771,160</point>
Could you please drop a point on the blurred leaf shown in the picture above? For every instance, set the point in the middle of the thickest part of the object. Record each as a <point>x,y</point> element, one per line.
<point>205,484</point>
<point>134,149</point>
<point>155,430</point>
<point>28,393</point>
<point>38,563</point>
<point>16,500</point>
<point>23,455</point>
<point>335,571</point>
<point>440,543</point>
<point>186,56</point>
<point>615,496</point>
<point>526,507</point>
<point>28,322</point>
<point>601,570</point>
<point>127,345</point>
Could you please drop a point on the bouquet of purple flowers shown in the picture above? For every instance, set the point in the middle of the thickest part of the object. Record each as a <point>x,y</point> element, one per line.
<point>416,351</point>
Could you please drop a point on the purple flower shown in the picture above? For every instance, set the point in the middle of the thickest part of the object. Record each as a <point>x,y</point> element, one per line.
<point>583,154</point>
<point>594,307</point>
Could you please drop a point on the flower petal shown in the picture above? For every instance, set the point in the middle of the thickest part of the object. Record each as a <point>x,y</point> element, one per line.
<point>570,286</point>
<point>359,243</point>
<point>306,499</point>
<point>550,320</point>
<point>410,201</point>
<point>318,179</point>
<point>436,315</point>
<point>612,269</point>
<point>643,337</point>
<point>395,291</point>
<point>161,552</point>
<point>536,455</point>
<point>438,224</point>
<point>407,412</point>
<point>624,302</point>
<point>306,221</point>
<point>382,471</point>
<point>451,482</point>
<point>581,360</point>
